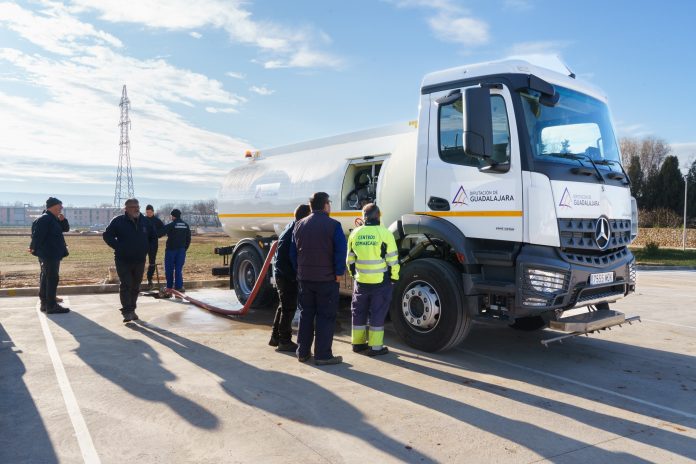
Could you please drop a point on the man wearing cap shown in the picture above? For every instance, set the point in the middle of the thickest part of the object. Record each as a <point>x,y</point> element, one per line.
<point>131,236</point>
<point>152,255</point>
<point>178,241</point>
<point>48,244</point>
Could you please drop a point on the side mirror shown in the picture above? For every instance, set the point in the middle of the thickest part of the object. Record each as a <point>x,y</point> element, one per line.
<point>478,130</point>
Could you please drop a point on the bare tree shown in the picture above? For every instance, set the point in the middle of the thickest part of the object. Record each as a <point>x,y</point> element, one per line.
<point>653,151</point>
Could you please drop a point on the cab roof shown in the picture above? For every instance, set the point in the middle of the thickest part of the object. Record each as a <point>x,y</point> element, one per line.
<point>520,67</point>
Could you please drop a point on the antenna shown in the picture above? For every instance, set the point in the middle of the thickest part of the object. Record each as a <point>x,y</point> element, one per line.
<point>122,194</point>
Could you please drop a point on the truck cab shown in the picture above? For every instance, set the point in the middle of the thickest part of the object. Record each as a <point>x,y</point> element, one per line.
<point>522,209</point>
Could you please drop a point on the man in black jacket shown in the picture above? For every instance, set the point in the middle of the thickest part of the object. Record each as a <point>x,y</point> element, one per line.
<point>152,255</point>
<point>48,244</point>
<point>286,284</point>
<point>131,236</point>
<point>178,241</point>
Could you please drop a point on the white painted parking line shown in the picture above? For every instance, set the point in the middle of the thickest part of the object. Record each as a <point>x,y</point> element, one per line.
<point>668,323</point>
<point>584,385</point>
<point>84,439</point>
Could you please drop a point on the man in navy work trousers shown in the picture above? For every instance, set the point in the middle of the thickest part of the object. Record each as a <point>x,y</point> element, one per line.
<point>178,241</point>
<point>48,244</point>
<point>152,255</point>
<point>131,236</point>
<point>286,283</point>
<point>318,251</point>
<point>373,261</point>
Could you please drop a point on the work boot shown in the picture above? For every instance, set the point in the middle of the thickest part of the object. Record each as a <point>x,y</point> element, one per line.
<point>273,341</point>
<point>57,309</point>
<point>134,317</point>
<point>381,351</point>
<point>304,358</point>
<point>127,316</point>
<point>43,307</point>
<point>327,362</point>
<point>287,346</point>
<point>360,347</point>
<point>180,289</point>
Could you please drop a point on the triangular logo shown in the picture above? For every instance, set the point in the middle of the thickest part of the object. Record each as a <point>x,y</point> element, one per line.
<point>460,198</point>
<point>565,199</point>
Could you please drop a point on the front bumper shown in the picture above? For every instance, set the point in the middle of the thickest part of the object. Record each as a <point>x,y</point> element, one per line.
<point>548,279</point>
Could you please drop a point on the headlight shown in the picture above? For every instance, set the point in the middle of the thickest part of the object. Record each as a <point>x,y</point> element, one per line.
<point>546,281</point>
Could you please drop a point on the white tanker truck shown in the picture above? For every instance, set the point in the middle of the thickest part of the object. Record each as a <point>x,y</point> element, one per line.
<point>506,197</point>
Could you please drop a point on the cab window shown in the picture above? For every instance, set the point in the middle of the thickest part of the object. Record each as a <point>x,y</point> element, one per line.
<point>451,132</point>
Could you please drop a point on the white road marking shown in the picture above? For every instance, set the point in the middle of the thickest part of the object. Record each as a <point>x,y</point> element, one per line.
<point>668,323</point>
<point>584,385</point>
<point>84,439</point>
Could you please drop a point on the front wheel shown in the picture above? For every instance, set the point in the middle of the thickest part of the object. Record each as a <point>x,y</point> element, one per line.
<point>246,267</point>
<point>428,306</point>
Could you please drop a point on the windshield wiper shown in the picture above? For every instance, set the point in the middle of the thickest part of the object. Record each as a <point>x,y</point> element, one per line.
<point>579,157</point>
<point>607,162</point>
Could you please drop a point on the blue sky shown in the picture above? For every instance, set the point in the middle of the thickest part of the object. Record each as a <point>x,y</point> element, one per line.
<point>209,78</point>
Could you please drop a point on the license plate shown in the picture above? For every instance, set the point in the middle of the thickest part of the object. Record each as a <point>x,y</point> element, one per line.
<point>601,278</point>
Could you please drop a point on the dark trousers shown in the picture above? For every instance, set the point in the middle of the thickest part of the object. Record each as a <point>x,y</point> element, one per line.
<point>370,304</point>
<point>282,324</point>
<point>130,274</point>
<point>152,263</point>
<point>318,303</point>
<point>174,267</point>
<point>48,281</point>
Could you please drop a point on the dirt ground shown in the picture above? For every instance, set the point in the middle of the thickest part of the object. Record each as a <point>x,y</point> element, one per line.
<point>90,259</point>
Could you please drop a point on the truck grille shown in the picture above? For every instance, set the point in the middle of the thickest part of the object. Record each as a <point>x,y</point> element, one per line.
<point>597,259</point>
<point>579,234</point>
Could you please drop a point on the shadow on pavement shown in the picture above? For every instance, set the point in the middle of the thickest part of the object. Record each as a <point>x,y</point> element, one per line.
<point>131,364</point>
<point>286,395</point>
<point>23,435</point>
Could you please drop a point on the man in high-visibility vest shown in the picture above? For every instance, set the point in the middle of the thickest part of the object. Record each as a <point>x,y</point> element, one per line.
<point>373,261</point>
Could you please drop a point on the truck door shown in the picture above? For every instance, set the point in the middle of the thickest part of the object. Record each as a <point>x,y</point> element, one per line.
<point>481,203</point>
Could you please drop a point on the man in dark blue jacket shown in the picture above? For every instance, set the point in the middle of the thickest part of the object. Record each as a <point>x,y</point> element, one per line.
<point>152,255</point>
<point>286,283</point>
<point>318,251</point>
<point>131,236</point>
<point>48,244</point>
<point>178,241</point>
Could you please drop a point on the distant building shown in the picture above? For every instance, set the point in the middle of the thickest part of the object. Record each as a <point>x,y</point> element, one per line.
<point>23,216</point>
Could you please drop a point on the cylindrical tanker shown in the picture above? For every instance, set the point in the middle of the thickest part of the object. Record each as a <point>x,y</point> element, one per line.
<point>259,196</point>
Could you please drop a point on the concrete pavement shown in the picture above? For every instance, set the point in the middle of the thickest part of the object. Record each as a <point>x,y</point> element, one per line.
<point>189,386</point>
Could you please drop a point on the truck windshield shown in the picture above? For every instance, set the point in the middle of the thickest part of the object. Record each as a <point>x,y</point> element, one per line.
<point>576,128</point>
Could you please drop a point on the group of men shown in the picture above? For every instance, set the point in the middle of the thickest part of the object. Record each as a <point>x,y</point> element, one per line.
<point>311,257</point>
<point>133,237</point>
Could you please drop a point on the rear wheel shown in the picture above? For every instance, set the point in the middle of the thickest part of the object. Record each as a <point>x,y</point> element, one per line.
<point>246,268</point>
<point>428,307</point>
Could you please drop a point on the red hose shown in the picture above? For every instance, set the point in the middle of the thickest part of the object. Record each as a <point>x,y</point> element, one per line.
<point>249,301</point>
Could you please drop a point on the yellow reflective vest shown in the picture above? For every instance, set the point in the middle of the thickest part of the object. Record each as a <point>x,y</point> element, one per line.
<point>372,252</point>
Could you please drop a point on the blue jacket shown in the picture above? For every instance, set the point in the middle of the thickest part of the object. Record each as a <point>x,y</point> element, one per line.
<point>318,248</point>
<point>282,266</point>
<point>47,239</point>
<point>130,239</point>
<point>178,234</point>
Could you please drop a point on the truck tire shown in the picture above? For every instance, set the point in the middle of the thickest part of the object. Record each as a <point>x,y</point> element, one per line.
<point>428,306</point>
<point>246,267</point>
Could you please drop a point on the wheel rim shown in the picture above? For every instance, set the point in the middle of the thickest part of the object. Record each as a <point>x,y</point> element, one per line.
<point>420,306</point>
<point>247,275</point>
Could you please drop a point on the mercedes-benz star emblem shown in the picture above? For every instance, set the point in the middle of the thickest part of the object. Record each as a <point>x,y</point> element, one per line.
<point>602,233</point>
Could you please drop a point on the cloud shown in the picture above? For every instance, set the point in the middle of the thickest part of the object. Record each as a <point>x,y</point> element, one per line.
<point>686,152</point>
<point>261,90</point>
<point>450,22</point>
<point>211,109</point>
<point>235,75</point>
<point>195,35</point>
<point>70,134</point>
<point>288,46</point>
<point>518,5</point>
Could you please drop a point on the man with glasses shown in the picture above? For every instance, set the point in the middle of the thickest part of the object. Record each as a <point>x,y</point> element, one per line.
<point>131,236</point>
<point>317,252</point>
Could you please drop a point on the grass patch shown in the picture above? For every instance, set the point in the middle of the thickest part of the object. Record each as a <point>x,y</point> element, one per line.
<point>664,256</point>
